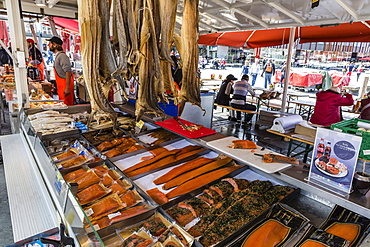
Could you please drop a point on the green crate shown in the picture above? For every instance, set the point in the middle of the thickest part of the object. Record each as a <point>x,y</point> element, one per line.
<point>350,127</point>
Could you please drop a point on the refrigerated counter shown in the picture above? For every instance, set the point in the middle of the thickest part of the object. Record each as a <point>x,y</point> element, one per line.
<point>43,181</point>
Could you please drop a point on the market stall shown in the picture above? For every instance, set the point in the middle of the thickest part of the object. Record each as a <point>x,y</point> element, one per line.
<point>157,194</point>
<point>114,180</point>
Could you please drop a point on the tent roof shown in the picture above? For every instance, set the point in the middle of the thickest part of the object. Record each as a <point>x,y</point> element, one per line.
<point>345,32</point>
<point>240,15</point>
<point>69,24</point>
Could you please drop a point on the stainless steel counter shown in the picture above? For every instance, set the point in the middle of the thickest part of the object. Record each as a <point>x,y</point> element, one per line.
<point>31,208</point>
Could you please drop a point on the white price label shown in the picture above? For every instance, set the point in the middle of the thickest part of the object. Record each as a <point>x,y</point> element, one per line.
<point>89,212</point>
<point>111,216</point>
<point>366,152</point>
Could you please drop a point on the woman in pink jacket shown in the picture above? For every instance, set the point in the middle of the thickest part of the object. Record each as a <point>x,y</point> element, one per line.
<point>327,109</point>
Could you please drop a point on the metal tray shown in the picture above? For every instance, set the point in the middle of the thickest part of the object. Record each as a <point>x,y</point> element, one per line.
<point>142,136</point>
<point>108,130</point>
<point>236,235</point>
<point>124,156</point>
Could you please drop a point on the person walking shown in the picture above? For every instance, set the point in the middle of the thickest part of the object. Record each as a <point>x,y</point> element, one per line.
<point>245,68</point>
<point>36,59</point>
<point>63,71</point>
<point>359,70</point>
<point>255,70</point>
<point>269,71</point>
<point>241,89</point>
<point>283,69</point>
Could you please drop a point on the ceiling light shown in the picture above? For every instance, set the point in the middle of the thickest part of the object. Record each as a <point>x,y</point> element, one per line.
<point>40,3</point>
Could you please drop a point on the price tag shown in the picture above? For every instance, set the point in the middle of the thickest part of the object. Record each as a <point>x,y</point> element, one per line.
<point>139,126</point>
<point>111,216</point>
<point>89,212</point>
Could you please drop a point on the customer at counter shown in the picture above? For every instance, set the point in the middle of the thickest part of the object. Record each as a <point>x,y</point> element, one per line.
<point>365,108</point>
<point>223,95</point>
<point>241,89</point>
<point>327,108</point>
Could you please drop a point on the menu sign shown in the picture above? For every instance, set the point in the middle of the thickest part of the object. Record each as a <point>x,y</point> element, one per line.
<point>334,160</point>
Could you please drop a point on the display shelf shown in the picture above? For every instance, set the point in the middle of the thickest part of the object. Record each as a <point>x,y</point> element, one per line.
<point>315,202</point>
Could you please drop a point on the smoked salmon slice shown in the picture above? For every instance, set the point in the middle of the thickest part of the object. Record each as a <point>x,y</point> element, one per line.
<point>269,234</point>
<point>200,181</point>
<point>92,193</point>
<point>190,165</point>
<point>153,160</point>
<point>196,172</point>
<point>157,195</point>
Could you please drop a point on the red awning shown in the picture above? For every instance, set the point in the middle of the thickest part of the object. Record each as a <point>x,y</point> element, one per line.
<point>249,39</point>
<point>69,24</point>
<point>345,32</point>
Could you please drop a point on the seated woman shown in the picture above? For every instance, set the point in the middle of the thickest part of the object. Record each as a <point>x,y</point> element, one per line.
<point>241,89</point>
<point>327,108</point>
<point>223,96</point>
<point>365,108</point>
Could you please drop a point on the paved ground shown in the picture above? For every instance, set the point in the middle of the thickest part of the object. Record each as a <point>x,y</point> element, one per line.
<point>206,74</point>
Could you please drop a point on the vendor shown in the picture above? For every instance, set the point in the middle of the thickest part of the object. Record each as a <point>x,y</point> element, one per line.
<point>241,89</point>
<point>36,59</point>
<point>223,95</point>
<point>62,71</point>
<point>327,108</point>
<point>365,108</point>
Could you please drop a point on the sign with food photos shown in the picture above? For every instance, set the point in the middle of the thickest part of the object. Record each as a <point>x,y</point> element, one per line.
<point>334,160</point>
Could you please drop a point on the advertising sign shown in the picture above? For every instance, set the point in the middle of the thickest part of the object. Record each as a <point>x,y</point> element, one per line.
<point>334,160</point>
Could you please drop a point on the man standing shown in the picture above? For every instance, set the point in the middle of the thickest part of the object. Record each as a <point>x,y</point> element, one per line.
<point>63,71</point>
<point>36,59</point>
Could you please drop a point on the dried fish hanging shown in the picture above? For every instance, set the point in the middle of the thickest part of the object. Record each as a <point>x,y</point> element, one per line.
<point>91,34</point>
<point>108,63</point>
<point>167,11</point>
<point>190,91</point>
<point>149,72</point>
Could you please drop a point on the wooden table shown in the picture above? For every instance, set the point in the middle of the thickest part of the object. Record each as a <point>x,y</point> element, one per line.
<point>304,107</point>
<point>296,95</point>
<point>297,141</point>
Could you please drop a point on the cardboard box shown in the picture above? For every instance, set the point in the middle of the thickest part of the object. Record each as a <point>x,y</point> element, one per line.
<point>302,130</point>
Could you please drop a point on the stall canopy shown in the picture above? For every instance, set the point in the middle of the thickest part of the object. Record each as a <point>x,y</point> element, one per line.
<point>69,24</point>
<point>218,16</point>
<point>345,32</point>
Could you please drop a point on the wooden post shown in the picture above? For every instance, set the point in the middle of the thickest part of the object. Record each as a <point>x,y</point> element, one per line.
<point>364,87</point>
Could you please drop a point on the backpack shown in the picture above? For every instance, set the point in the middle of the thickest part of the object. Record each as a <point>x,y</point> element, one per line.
<point>268,68</point>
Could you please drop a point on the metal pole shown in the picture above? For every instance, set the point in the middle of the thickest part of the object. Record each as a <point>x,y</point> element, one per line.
<point>18,39</point>
<point>52,26</point>
<point>287,70</point>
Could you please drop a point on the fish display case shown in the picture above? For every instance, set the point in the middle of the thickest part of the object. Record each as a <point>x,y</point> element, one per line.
<point>313,202</point>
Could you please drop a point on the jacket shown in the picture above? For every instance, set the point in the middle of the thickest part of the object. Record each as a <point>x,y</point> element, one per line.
<point>327,108</point>
<point>223,96</point>
<point>365,114</point>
